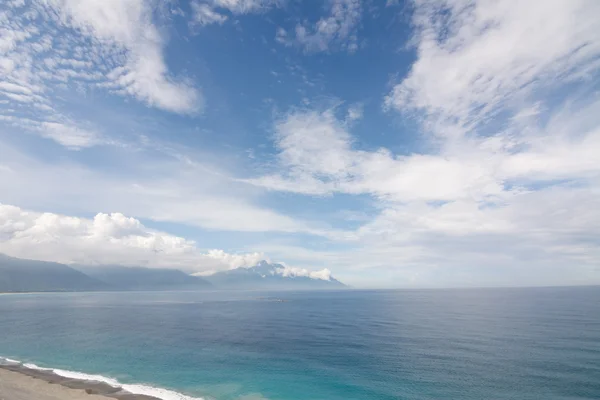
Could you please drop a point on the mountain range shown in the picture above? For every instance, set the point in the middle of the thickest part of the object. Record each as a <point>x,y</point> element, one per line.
<point>21,275</point>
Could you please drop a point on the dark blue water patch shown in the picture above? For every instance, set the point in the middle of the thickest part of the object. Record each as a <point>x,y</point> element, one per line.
<point>410,344</point>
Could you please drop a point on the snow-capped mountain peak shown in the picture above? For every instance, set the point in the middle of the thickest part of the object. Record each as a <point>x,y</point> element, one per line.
<point>274,275</point>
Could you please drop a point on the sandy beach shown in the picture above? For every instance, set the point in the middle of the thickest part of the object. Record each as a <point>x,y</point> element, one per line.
<point>20,383</point>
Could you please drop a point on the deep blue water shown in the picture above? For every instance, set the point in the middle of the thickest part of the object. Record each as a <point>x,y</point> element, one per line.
<point>414,344</point>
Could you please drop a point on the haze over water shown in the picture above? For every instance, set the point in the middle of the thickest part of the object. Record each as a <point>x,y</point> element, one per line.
<point>539,343</point>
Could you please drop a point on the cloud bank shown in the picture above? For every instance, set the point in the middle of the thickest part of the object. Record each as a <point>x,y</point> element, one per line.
<point>106,239</point>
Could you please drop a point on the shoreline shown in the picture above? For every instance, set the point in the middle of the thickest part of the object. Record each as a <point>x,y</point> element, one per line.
<point>20,381</point>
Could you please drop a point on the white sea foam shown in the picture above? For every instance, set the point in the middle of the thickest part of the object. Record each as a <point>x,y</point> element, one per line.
<point>161,393</point>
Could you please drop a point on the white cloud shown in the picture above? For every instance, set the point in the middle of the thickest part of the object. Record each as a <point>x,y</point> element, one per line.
<point>253,259</point>
<point>205,15</point>
<point>206,12</point>
<point>286,271</point>
<point>116,239</point>
<point>477,57</point>
<point>8,87</point>
<point>244,6</point>
<point>338,30</point>
<point>473,57</point>
<point>315,143</point>
<point>50,49</point>
<point>236,260</point>
<point>19,97</point>
<point>92,43</point>
<point>355,112</point>
<point>104,239</point>
<point>69,136</point>
<point>59,129</point>
<point>317,155</point>
<point>128,26</point>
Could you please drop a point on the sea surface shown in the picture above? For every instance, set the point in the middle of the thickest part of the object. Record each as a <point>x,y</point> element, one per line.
<point>541,343</point>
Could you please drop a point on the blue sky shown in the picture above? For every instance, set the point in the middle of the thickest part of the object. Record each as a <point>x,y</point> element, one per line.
<point>427,143</point>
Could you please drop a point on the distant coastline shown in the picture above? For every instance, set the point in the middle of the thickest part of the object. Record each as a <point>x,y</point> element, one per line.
<point>18,275</point>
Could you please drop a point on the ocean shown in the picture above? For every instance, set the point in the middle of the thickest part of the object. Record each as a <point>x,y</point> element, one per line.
<point>538,343</point>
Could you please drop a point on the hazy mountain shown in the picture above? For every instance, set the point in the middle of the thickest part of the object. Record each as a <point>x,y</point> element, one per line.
<point>140,278</point>
<point>265,275</point>
<point>20,275</point>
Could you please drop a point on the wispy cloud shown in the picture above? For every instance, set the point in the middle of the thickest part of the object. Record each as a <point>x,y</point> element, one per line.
<point>146,187</point>
<point>68,135</point>
<point>337,31</point>
<point>49,45</point>
<point>477,58</point>
<point>206,12</point>
<point>124,32</point>
<point>355,113</point>
<point>244,6</point>
<point>205,15</point>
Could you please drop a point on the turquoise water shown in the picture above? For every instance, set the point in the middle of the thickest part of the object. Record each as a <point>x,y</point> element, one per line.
<point>427,344</point>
